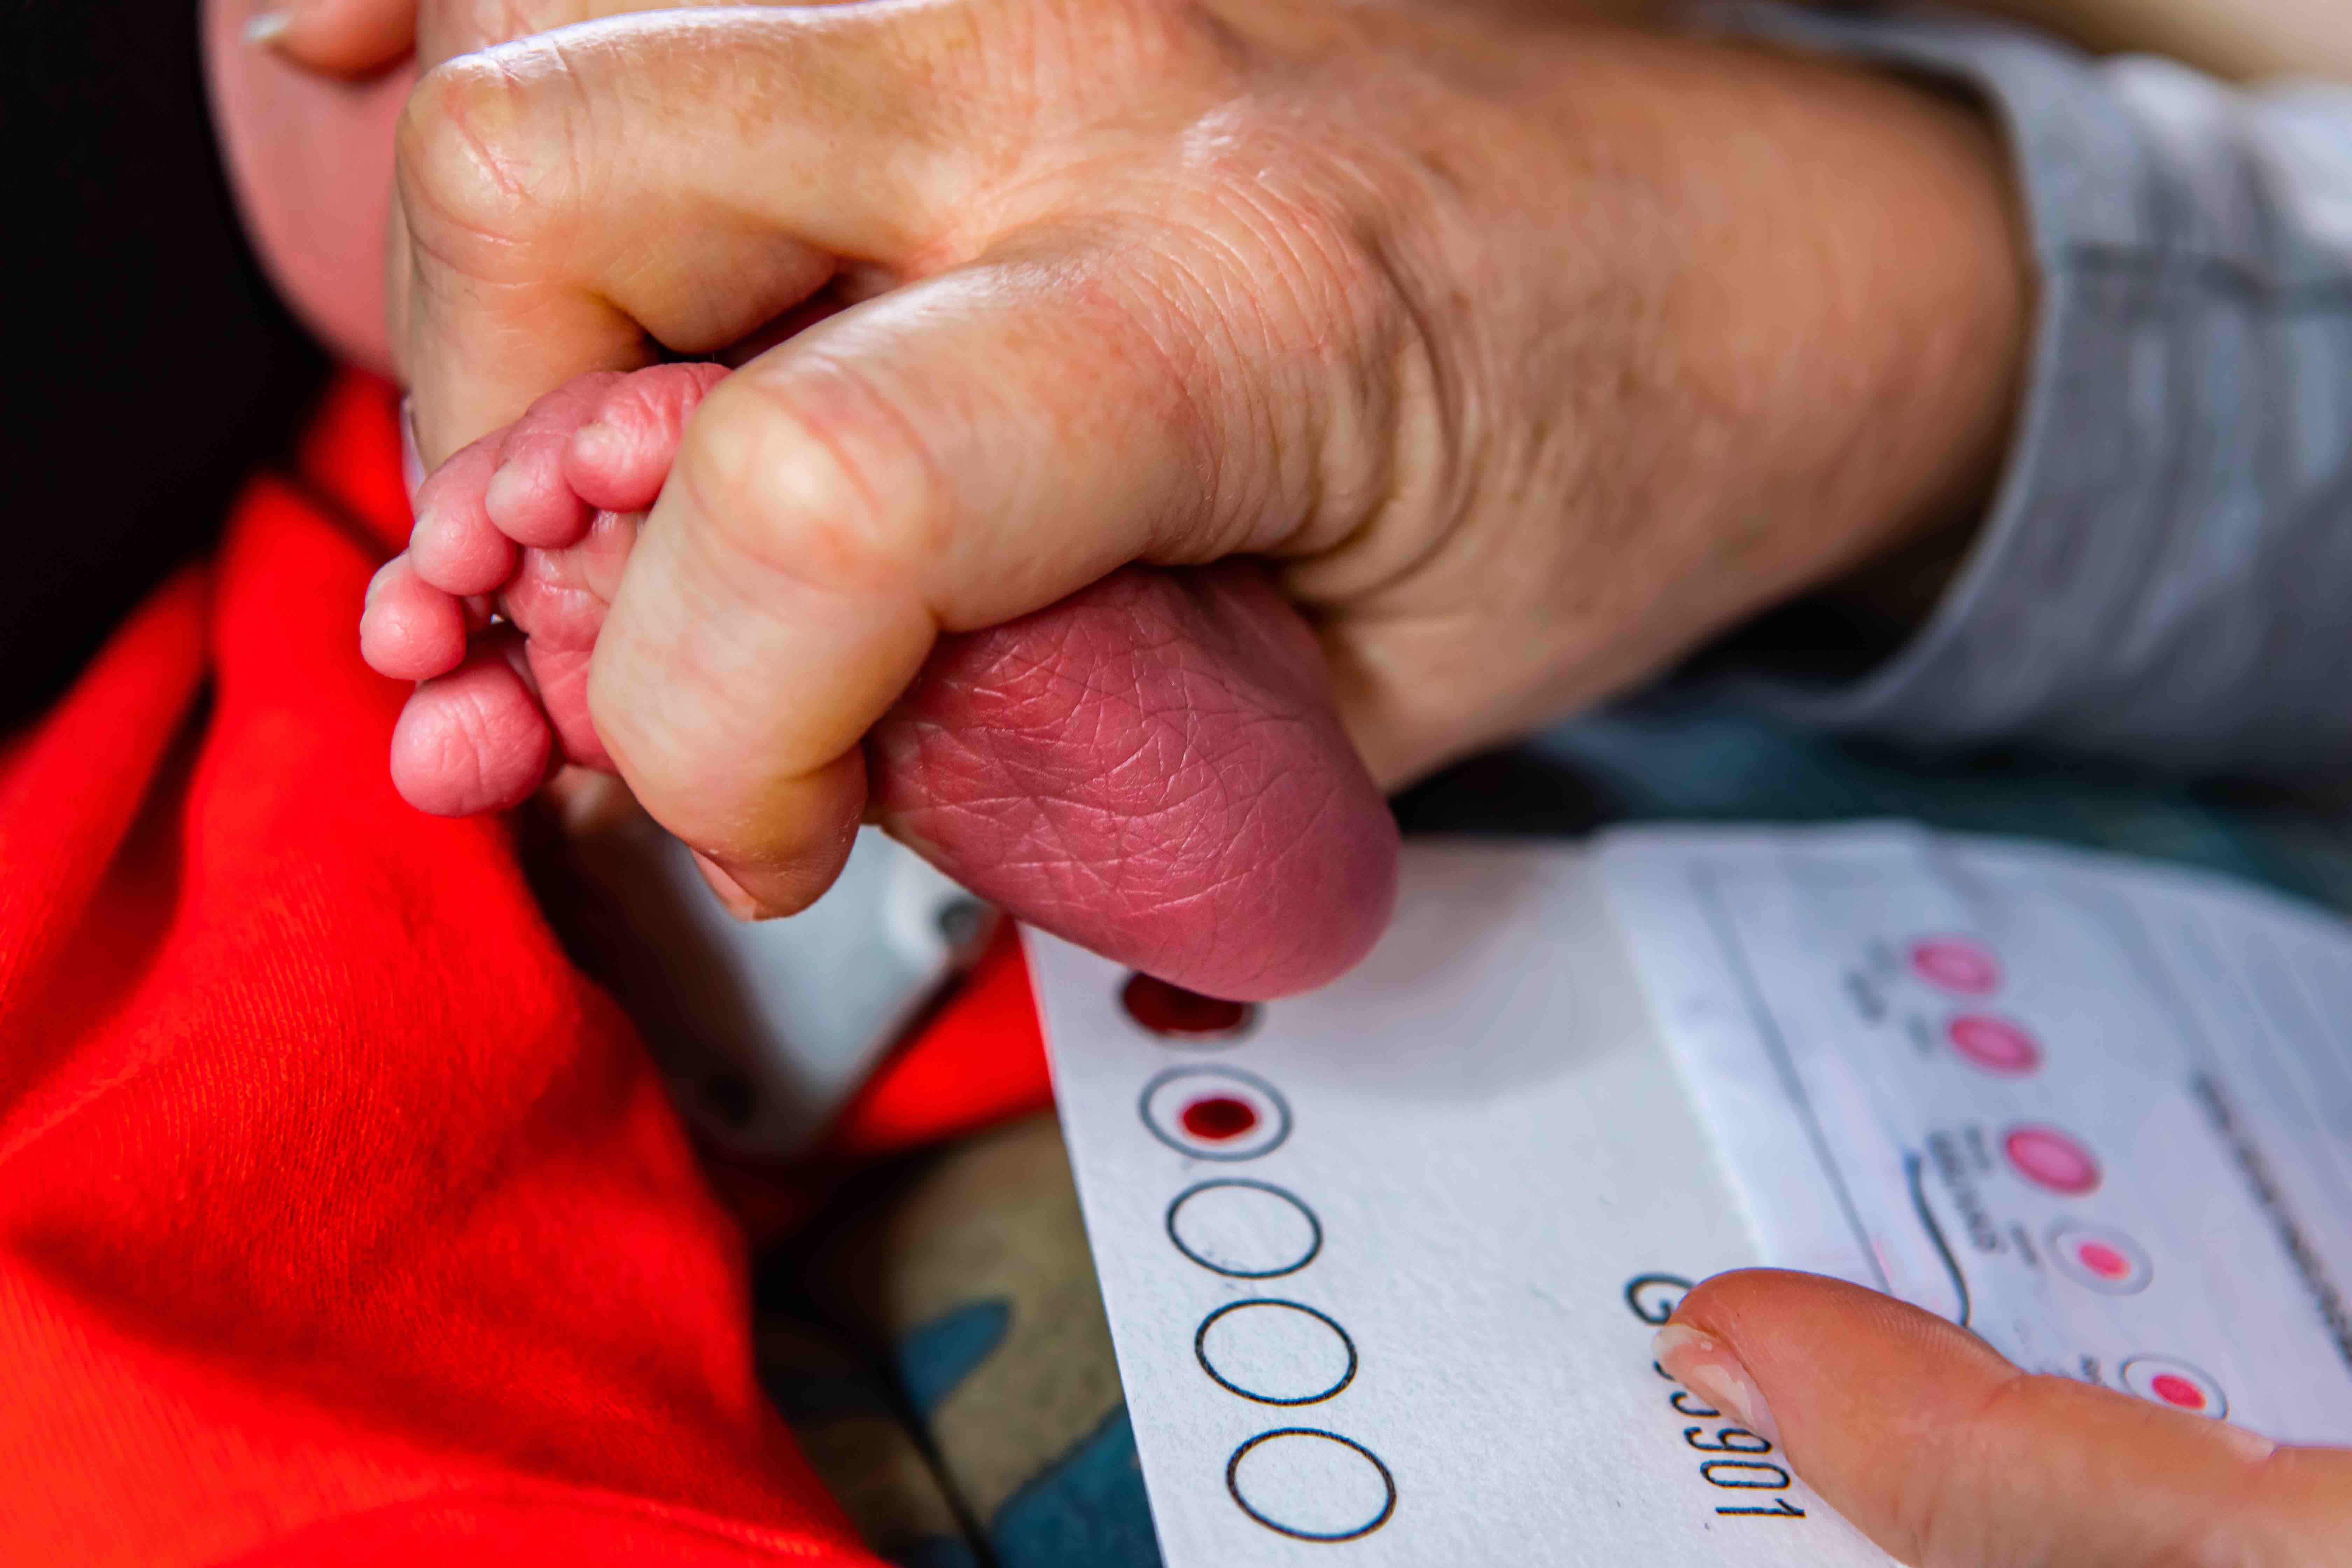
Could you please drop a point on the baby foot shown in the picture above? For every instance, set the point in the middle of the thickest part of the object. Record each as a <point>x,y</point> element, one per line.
<point>534,522</point>
<point>1150,768</point>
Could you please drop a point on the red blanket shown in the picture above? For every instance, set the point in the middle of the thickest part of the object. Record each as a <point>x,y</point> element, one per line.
<point>342,1220</point>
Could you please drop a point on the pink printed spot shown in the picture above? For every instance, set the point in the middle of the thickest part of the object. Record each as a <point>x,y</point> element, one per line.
<point>2053,1160</point>
<point>2174,1382</point>
<point>1995,1045</point>
<point>2100,1258</point>
<point>1218,1117</point>
<point>1956,963</point>
<point>2104,1260</point>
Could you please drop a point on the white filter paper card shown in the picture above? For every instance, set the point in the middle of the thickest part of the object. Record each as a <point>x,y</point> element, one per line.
<point>1383,1263</point>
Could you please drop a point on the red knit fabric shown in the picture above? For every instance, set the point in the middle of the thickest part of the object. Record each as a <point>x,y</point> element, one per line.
<point>342,1221</point>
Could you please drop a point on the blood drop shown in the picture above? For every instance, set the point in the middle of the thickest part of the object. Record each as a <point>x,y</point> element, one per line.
<point>1166,1009</point>
<point>1218,1117</point>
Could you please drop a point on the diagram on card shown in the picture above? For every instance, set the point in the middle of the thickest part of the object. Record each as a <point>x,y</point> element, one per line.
<point>2101,1114</point>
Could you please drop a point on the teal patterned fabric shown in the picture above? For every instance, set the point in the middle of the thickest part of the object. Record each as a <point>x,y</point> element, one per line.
<point>938,1344</point>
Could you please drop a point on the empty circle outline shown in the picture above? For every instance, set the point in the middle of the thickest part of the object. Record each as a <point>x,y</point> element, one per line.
<point>1201,1351</point>
<point>1388,1483</point>
<point>1274,1097</point>
<point>1314,1228</point>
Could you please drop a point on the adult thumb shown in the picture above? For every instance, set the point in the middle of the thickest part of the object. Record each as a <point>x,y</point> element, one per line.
<point>1949,1457</point>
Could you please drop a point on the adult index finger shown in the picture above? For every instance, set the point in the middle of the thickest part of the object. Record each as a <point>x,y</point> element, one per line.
<point>1950,1458</point>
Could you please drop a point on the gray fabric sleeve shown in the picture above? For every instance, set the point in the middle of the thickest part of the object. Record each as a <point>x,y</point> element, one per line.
<point>2165,575</point>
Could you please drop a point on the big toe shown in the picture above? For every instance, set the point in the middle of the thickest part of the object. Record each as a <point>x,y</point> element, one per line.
<point>474,740</point>
<point>1150,769</point>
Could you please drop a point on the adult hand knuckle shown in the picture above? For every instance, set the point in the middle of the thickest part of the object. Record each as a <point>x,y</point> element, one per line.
<point>480,151</point>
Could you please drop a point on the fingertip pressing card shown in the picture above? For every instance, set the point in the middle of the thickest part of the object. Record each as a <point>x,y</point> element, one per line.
<point>1383,1263</point>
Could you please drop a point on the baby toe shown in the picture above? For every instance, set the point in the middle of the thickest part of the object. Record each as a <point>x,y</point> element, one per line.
<point>409,629</point>
<point>558,597</point>
<point>620,456</point>
<point>528,498</point>
<point>562,676</point>
<point>475,740</point>
<point>455,546</point>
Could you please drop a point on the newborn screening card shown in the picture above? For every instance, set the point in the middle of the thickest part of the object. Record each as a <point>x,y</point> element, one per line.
<point>1383,1263</point>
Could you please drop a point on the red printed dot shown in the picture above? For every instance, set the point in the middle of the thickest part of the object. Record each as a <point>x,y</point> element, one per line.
<point>1995,1045</point>
<point>2102,1260</point>
<point>1166,1009</point>
<point>2048,1158</point>
<point>1956,963</point>
<point>1218,1117</point>
<point>2175,1389</point>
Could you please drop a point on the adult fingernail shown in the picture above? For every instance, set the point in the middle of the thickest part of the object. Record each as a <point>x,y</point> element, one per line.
<point>1707,1368</point>
<point>732,894</point>
<point>412,460</point>
<point>263,30</point>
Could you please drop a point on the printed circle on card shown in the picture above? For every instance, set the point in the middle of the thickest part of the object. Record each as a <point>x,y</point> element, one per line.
<point>1276,1353</point>
<point>1215,1113</point>
<point>2101,1257</point>
<point>1244,1229</point>
<point>2053,1160</point>
<point>2176,1385</point>
<point>1956,963</point>
<point>1994,1045</point>
<point>1311,1484</point>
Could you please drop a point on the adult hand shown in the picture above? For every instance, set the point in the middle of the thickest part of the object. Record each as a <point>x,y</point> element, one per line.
<point>1507,342</point>
<point>1949,1457</point>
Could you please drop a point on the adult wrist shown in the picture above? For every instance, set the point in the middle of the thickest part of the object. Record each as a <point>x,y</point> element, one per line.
<point>1885,297</point>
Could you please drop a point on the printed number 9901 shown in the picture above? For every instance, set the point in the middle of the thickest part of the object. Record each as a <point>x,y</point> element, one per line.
<point>1741,1467</point>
